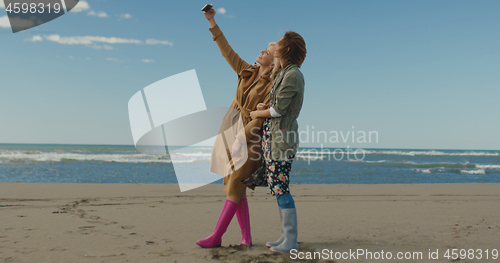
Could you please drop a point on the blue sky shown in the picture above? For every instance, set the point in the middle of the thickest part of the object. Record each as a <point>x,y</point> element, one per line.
<point>422,74</point>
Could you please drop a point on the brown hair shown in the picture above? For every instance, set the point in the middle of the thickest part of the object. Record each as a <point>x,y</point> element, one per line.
<point>292,48</point>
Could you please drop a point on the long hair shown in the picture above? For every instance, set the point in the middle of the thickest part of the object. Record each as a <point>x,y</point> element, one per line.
<point>276,61</point>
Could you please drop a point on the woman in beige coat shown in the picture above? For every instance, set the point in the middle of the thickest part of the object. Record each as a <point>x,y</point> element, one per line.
<point>254,83</point>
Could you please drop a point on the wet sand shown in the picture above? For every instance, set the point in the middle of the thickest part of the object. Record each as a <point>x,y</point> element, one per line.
<point>41,222</point>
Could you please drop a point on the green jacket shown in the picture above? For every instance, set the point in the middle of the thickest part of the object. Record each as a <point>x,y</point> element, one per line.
<point>287,94</point>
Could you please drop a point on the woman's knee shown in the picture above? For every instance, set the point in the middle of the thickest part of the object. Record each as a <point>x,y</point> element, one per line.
<point>243,194</point>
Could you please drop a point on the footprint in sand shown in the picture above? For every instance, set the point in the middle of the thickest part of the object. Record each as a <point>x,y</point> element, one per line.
<point>87,229</point>
<point>58,249</point>
<point>135,247</point>
<point>160,253</point>
<point>240,253</point>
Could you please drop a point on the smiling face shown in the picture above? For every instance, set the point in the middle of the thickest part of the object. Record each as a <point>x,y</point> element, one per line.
<point>266,56</point>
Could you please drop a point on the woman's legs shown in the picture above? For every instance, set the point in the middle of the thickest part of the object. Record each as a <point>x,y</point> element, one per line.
<point>235,198</point>
<point>233,204</point>
<point>278,180</point>
<point>285,201</point>
<point>243,215</point>
<point>227,214</point>
<point>288,225</point>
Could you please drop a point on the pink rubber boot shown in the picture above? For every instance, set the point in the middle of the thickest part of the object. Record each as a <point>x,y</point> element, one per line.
<point>215,239</point>
<point>244,219</point>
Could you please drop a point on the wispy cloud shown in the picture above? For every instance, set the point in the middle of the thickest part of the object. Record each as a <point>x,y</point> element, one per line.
<point>148,60</point>
<point>153,41</point>
<point>84,6</point>
<point>98,14</point>
<point>126,16</point>
<point>88,40</point>
<point>35,38</point>
<point>96,42</point>
<point>19,22</point>
<point>221,10</point>
<point>81,6</point>
<point>4,20</point>
<point>117,60</point>
<point>105,47</point>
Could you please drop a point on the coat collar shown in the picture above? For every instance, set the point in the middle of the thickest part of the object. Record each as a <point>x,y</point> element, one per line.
<point>279,77</point>
<point>251,70</point>
<point>290,66</point>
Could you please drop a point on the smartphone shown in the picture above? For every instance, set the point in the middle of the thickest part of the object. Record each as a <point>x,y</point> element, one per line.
<point>206,8</point>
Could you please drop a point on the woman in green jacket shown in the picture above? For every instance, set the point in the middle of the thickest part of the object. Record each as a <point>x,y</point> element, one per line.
<point>280,133</point>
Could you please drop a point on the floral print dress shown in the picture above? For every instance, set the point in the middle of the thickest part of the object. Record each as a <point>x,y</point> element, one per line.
<point>277,170</point>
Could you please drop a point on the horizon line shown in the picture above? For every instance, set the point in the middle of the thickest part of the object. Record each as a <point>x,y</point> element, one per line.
<point>131,145</point>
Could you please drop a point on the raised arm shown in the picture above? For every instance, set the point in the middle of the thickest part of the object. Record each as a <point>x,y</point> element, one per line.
<point>231,57</point>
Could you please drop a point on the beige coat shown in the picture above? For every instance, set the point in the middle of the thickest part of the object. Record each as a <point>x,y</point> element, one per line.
<point>249,93</point>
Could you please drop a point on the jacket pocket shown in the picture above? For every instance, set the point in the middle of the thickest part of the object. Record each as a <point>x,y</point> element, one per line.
<point>286,135</point>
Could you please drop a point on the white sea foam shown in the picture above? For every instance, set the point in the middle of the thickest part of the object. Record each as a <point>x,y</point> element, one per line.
<point>429,170</point>
<point>310,157</point>
<point>432,153</point>
<point>326,151</point>
<point>396,152</point>
<point>488,166</point>
<point>478,171</point>
<point>198,154</point>
<point>365,161</point>
<point>37,156</point>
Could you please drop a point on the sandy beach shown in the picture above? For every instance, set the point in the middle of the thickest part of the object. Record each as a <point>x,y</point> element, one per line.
<point>54,222</point>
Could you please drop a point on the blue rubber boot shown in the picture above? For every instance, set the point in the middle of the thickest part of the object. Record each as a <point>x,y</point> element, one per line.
<point>282,237</point>
<point>289,222</point>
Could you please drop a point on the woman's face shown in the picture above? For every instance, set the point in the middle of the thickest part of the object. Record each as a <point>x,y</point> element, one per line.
<point>266,56</point>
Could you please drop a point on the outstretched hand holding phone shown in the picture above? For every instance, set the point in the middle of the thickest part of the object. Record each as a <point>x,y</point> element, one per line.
<point>209,13</point>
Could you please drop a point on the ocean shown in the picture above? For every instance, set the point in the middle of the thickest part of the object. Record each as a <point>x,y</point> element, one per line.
<point>35,163</point>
